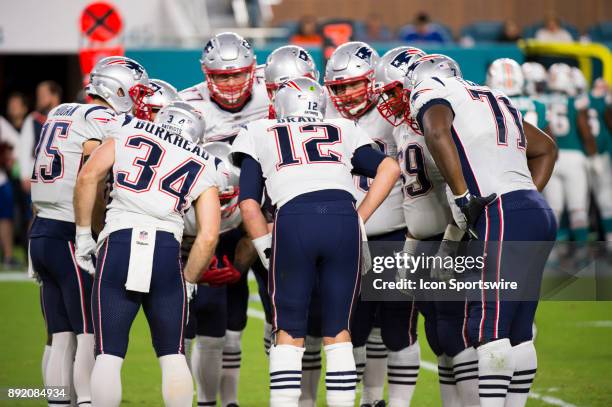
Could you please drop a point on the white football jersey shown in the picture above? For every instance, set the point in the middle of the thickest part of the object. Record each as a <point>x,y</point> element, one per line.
<point>389,215</point>
<point>222,124</point>
<point>156,176</point>
<point>59,155</point>
<point>425,204</point>
<point>302,154</point>
<point>487,130</point>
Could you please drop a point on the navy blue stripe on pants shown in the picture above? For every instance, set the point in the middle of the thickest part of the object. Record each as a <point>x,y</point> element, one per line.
<point>514,217</point>
<point>314,241</point>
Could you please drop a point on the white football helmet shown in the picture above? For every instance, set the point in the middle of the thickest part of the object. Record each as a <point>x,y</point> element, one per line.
<point>350,63</point>
<point>182,119</point>
<point>122,82</point>
<point>163,94</point>
<point>506,75</point>
<point>299,97</point>
<point>228,62</point>
<point>286,63</point>
<point>229,192</point>
<point>560,79</point>
<point>535,76</point>
<point>389,75</point>
<point>580,82</point>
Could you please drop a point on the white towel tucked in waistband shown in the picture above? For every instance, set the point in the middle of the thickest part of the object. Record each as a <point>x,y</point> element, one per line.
<point>141,259</point>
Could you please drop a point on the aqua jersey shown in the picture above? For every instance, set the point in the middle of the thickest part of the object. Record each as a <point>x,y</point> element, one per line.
<point>598,125</point>
<point>563,114</point>
<point>533,111</point>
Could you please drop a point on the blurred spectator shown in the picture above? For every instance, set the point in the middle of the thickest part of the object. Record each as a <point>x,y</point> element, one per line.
<point>307,35</point>
<point>17,109</point>
<point>374,31</point>
<point>511,32</point>
<point>9,139</point>
<point>423,31</point>
<point>553,32</point>
<point>48,96</point>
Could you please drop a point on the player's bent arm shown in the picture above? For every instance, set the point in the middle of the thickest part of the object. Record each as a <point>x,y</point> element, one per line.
<point>100,204</point>
<point>387,174</point>
<point>251,192</point>
<point>541,154</point>
<point>590,145</point>
<point>93,172</point>
<point>436,125</point>
<point>208,219</point>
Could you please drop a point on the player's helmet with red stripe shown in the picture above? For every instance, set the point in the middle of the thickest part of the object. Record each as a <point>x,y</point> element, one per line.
<point>229,65</point>
<point>163,94</point>
<point>349,77</point>
<point>122,82</point>
<point>182,119</point>
<point>288,62</point>
<point>299,97</point>
<point>506,75</point>
<point>389,75</point>
<point>229,191</point>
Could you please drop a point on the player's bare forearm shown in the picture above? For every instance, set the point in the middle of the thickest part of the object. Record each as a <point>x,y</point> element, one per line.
<point>387,174</point>
<point>208,218</point>
<point>253,218</point>
<point>93,172</point>
<point>588,141</point>
<point>437,124</point>
<point>245,255</point>
<point>541,155</point>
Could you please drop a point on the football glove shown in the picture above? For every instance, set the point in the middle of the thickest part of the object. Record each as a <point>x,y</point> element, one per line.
<point>85,247</point>
<point>191,289</point>
<point>217,276</point>
<point>448,247</point>
<point>468,211</point>
<point>263,245</point>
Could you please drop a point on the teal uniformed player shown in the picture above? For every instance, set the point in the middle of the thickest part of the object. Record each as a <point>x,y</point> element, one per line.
<point>568,186</point>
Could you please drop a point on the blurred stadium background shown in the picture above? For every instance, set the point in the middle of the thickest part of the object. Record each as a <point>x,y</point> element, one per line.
<point>55,40</point>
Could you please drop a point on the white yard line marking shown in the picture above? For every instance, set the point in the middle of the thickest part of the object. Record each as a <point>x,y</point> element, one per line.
<point>432,367</point>
<point>596,324</point>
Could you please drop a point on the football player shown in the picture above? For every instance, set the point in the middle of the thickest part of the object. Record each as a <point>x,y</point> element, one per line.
<point>232,94</point>
<point>284,63</point>
<point>349,79</point>
<point>600,102</point>
<point>494,166</point>
<point>568,187</point>
<point>307,170</point>
<point>163,94</point>
<point>69,135</point>
<point>156,176</point>
<point>428,218</point>
<point>506,75</point>
<point>535,77</point>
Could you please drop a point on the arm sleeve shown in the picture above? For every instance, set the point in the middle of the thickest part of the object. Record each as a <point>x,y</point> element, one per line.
<point>366,160</point>
<point>427,93</point>
<point>251,180</point>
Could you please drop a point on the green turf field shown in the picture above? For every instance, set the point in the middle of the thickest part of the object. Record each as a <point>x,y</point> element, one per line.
<point>574,349</point>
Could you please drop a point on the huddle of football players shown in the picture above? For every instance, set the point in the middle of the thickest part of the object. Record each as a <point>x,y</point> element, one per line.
<point>260,168</point>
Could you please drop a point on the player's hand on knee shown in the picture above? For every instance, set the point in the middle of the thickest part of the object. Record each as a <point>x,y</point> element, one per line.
<point>468,209</point>
<point>85,248</point>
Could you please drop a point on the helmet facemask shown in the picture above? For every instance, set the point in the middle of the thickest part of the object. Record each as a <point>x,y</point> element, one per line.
<point>230,88</point>
<point>138,93</point>
<point>391,104</point>
<point>352,97</point>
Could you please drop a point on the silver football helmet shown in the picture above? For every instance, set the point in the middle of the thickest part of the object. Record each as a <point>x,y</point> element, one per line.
<point>228,62</point>
<point>535,77</point>
<point>438,65</point>
<point>506,75</point>
<point>299,97</point>
<point>560,79</point>
<point>288,62</point>
<point>182,119</point>
<point>230,190</point>
<point>122,82</point>
<point>350,64</point>
<point>163,94</point>
<point>389,75</point>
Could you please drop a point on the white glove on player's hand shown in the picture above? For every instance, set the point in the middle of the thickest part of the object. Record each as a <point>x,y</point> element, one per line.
<point>192,290</point>
<point>263,245</point>
<point>366,257</point>
<point>404,269</point>
<point>85,248</point>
